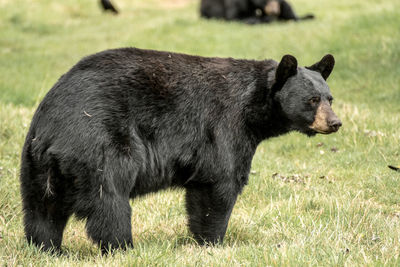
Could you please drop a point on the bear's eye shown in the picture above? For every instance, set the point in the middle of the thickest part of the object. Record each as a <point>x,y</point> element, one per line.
<point>330,99</point>
<point>315,100</point>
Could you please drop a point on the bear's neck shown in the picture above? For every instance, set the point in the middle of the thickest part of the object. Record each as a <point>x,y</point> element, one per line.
<point>264,116</point>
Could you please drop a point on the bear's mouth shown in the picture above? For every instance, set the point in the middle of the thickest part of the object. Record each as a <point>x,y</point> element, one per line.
<point>313,131</point>
<point>322,131</point>
<point>307,131</point>
<point>327,130</point>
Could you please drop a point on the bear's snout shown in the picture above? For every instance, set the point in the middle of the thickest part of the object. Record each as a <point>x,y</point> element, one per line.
<point>334,124</point>
<point>325,120</point>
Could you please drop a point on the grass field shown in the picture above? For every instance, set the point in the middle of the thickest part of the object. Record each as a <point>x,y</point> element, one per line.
<point>323,201</point>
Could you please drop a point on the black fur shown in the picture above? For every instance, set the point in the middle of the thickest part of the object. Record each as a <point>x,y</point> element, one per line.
<point>108,6</point>
<point>325,66</point>
<point>126,122</point>
<point>248,11</point>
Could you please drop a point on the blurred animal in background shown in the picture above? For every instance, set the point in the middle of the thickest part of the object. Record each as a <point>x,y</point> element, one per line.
<point>108,6</point>
<point>397,169</point>
<point>250,11</point>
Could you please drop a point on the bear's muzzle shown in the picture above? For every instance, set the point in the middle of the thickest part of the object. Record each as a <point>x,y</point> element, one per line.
<point>325,121</point>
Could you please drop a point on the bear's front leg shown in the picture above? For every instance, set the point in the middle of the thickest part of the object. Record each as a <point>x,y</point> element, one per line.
<point>209,208</point>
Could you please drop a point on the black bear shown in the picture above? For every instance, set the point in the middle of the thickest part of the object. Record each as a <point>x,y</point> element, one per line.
<point>125,122</point>
<point>250,11</point>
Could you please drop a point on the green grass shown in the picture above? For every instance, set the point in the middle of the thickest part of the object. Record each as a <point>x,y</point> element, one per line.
<point>325,208</point>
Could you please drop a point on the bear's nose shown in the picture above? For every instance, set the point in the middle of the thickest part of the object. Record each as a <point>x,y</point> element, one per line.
<point>335,124</point>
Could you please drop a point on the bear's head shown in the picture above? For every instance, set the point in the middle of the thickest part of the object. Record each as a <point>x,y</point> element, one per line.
<point>268,7</point>
<point>272,8</point>
<point>304,95</point>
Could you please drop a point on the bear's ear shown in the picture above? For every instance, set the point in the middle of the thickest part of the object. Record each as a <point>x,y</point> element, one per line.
<point>325,66</point>
<point>286,68</point>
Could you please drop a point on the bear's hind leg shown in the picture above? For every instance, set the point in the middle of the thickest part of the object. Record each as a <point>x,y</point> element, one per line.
<point>109,223</point>
<point>45,205</point>
<point>44,226</point>
<point>107,207</point>
<point>45,212</point>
